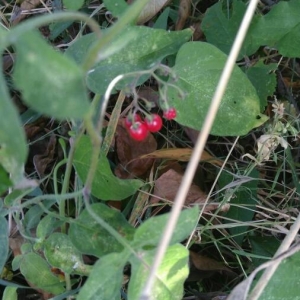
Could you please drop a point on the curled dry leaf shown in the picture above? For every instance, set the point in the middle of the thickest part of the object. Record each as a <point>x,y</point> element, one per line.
<point>203,266</point>
<point>183,13</point>
<point>166,187</point>
<point>42,161</point>
<point>128,150</point>
<point>149,93</point>
<point>150,10</point>
<point>20,12</point>
<point>181,154</point>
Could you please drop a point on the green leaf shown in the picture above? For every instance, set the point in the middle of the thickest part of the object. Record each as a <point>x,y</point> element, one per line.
<point>37,271</point>
<point>5,182</point>
<point>13,147</point>
<point>3,242</point>
<point>172,273</point>
<point>244,200</point>
<point>264,80</point>
<point>199,66</point>
<point>264,246</point>
<point>116,7</point>
<point>73,4</point>
<point>285,283</point>
<point>10,293</point>
<point>147,46</point>
<point>50,82</point>
<point>46,226</point>
<point>284,17</point>
<point>90,238</point>
<point>149,233</point>
<point>105,279</point>
<point>105,185</point>
<point>221,26</point>
<point>61,253</point>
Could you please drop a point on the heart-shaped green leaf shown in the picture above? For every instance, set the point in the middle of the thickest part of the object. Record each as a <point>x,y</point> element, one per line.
<point>199,66</point>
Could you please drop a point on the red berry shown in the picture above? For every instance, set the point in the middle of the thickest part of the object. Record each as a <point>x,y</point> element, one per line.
<point>170,113</point>
<point>129,119</point>
<point>154,123</point>
<point>138,131</point>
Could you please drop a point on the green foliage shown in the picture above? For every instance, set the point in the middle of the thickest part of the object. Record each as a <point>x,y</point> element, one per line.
<point>73,4</point>
<point>105,279</point>
<point>169,286</point>
<point>284,285</point>
<point>277,29</point>
<point>13,149</point>
<point>60,86</point>
<point>37,271</point>
<point>105,186</point>
<point>100,284</point>
<point>61,93</point>
<point>264,80</point>
<point>145,48</point>
<point>10,293</point>
<point>5,182</point>
<point>199,66</point>
<point>117,7</point>
<point>61,253</point>
<point>3,242</point>
<point>243,200</point>
<point>90,238</point>
<point>149,233</point>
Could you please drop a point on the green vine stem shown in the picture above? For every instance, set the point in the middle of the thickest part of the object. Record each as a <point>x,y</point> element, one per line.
<point>33,23</point>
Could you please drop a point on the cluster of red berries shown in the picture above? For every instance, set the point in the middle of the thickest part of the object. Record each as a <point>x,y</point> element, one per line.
<point>138,128</point>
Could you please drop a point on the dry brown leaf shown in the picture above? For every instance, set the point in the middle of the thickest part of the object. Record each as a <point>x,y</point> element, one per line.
<point>183,13</point>
<point>202,266</point>
<point>7,61</point>
<point>166,187</point>
<point>192,134</point>
<point>18,12</point>
<point>181,154</point>
<point>149,93</point>
<point>42,161</point>
<point>204,263</point>
<point>150,10</point>
<point>129,149</point>
<point>198,33</point>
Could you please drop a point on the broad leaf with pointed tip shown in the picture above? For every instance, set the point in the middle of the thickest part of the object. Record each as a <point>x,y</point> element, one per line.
<point>146,48</point>
<point>199,66</point>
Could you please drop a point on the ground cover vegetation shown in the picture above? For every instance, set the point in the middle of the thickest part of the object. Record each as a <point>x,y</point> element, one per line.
<point>101,103</point>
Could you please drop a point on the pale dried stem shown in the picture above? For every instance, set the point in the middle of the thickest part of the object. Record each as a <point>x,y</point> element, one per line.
<point>199,147</point>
